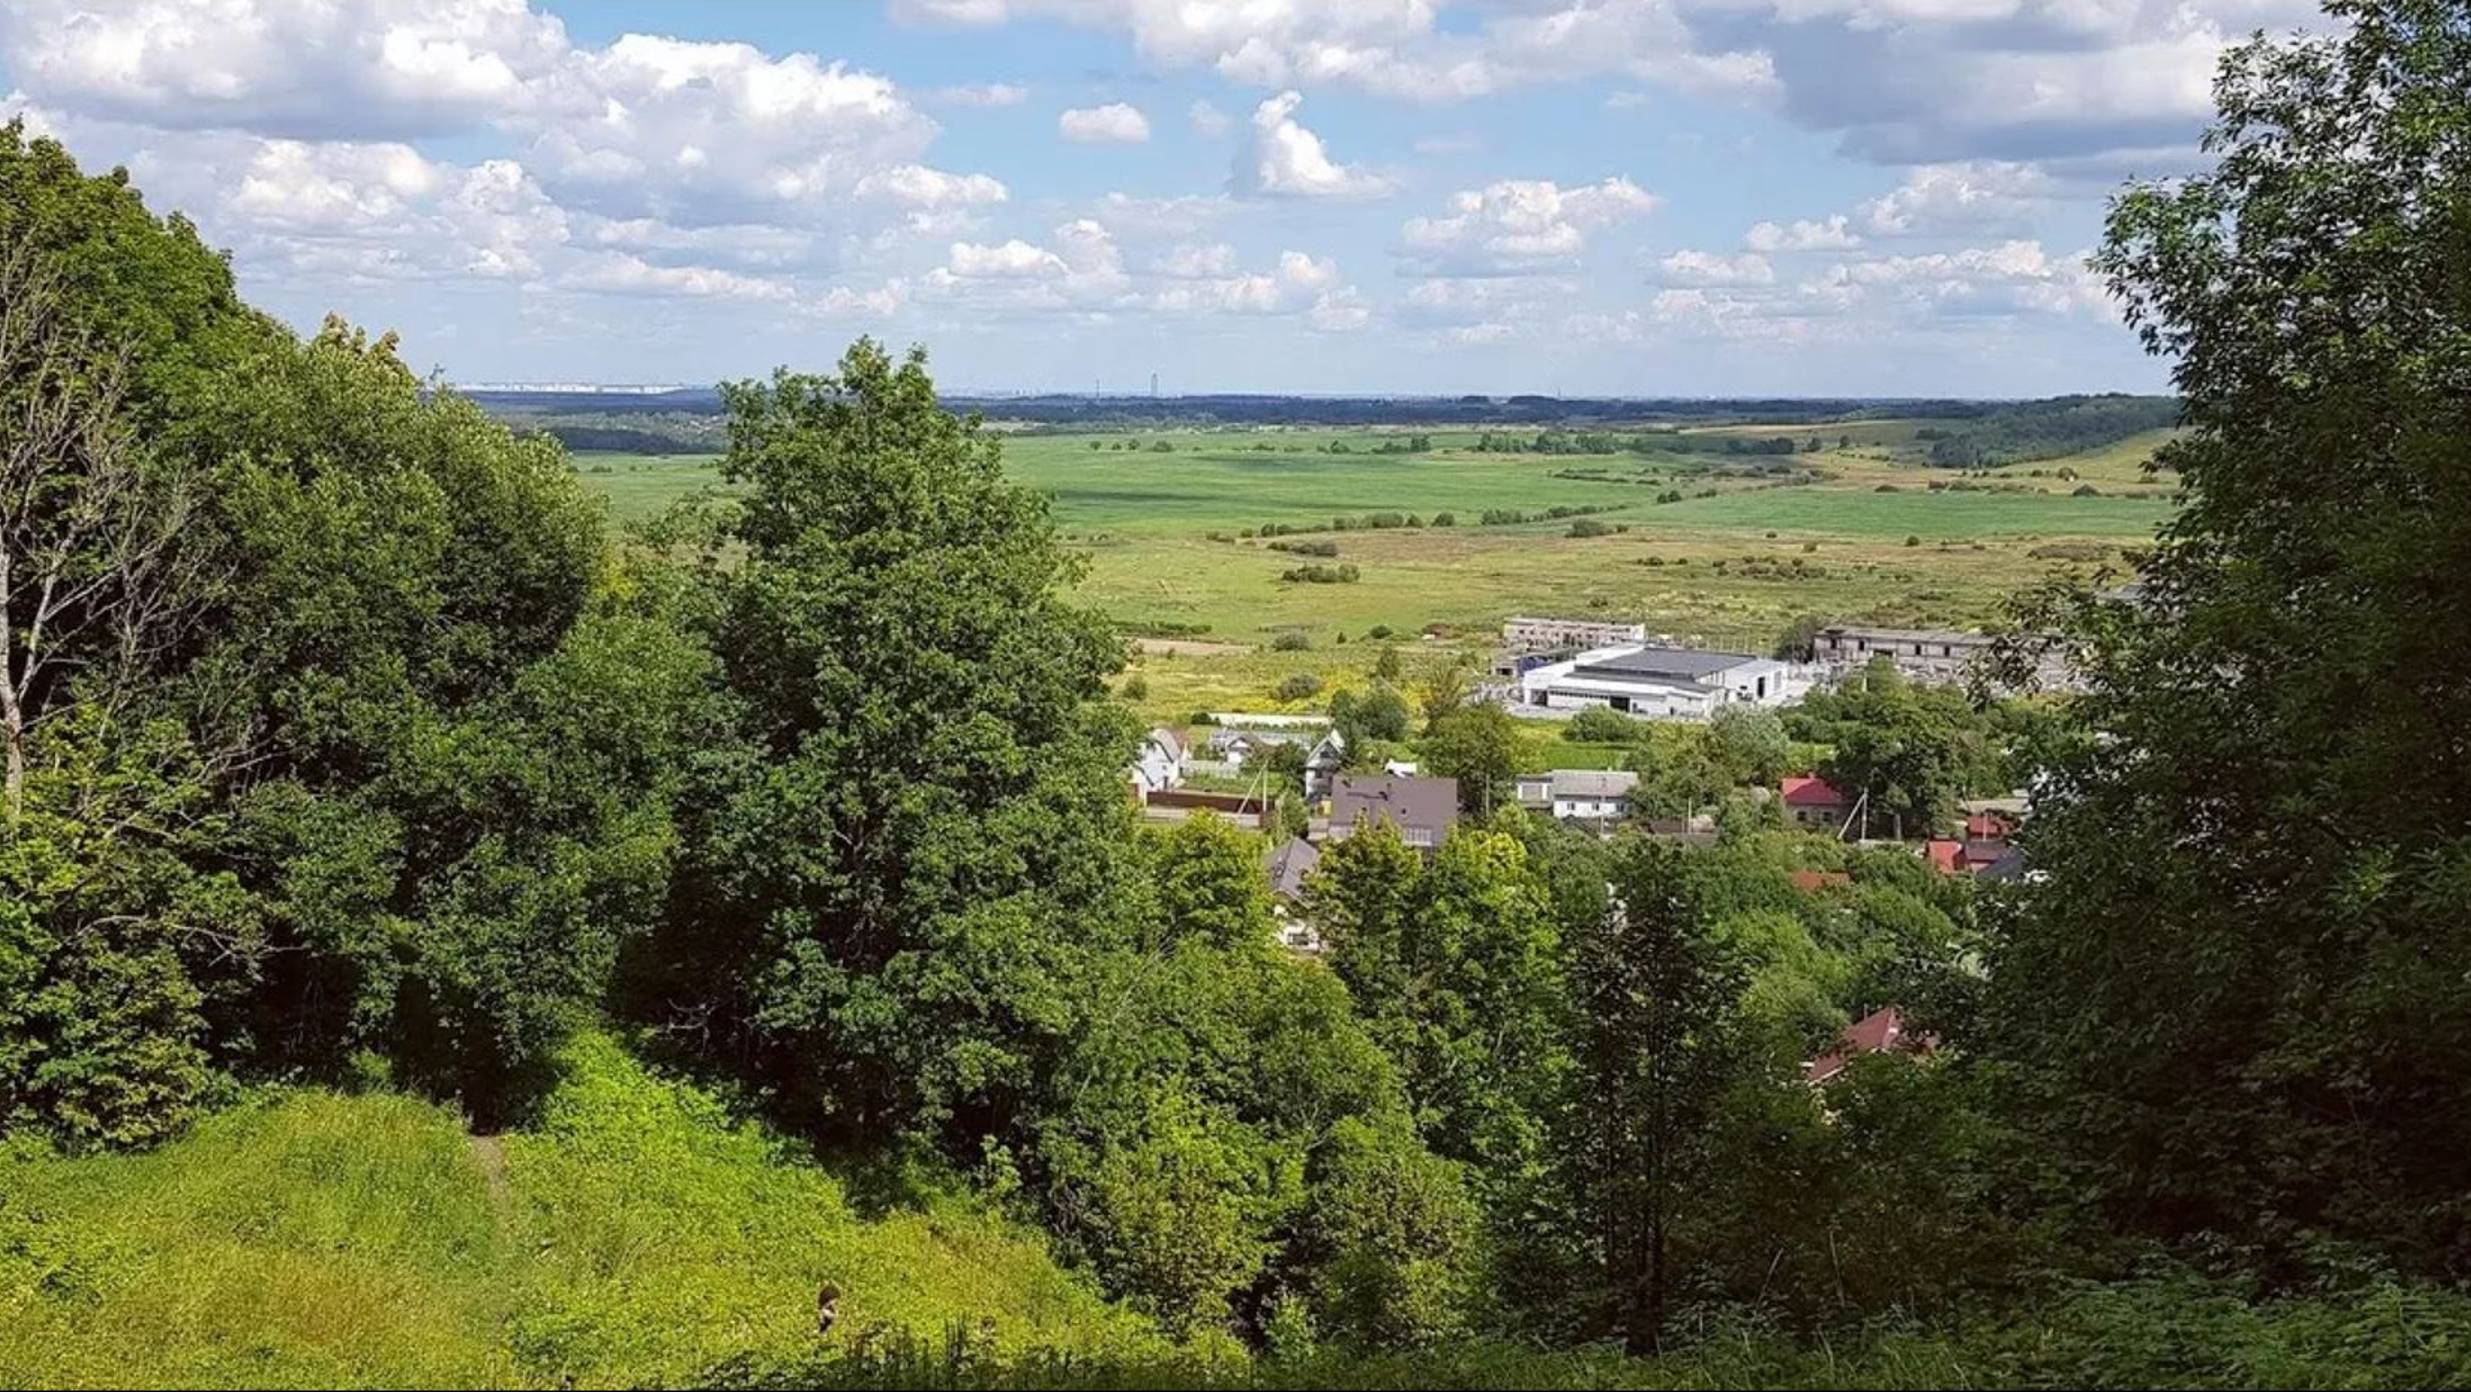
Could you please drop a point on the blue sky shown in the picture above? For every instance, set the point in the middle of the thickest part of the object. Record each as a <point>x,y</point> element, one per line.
<point>1647,197</point>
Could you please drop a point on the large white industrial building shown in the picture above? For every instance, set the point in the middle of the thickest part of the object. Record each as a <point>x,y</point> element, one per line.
<point>1661,683</point>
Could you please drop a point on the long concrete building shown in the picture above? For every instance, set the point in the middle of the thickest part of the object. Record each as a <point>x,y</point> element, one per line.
<point>1940,656</point>
<point>1530,634</point>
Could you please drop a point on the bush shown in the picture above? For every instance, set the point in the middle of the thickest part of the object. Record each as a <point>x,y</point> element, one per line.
<point>1299,686</point>
<point>1603,725</point>
<point>1293,640</point>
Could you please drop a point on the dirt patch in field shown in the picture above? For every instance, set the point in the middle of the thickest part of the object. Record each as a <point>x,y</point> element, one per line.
<point>1190,647</point>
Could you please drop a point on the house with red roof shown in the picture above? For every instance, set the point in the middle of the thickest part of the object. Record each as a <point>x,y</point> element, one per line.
<point>1946,857</point>
<point>1879,1032</point>
<point>1812,881</point>
<point>1816,803</point>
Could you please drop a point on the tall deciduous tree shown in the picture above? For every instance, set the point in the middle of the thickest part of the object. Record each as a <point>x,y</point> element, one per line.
<point>902,865</point>
<point>2241,985</point>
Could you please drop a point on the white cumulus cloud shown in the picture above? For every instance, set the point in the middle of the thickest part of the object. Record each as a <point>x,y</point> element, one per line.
<point>1282,159</point>
<point>1116,123</point>
<point>1519,226</point>
<point>1716,268</point>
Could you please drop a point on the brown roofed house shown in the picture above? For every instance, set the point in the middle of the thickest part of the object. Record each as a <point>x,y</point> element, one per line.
<point>1879,1032</point>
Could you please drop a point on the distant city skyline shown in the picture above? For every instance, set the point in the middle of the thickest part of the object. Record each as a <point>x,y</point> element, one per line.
<point>1594,198</point>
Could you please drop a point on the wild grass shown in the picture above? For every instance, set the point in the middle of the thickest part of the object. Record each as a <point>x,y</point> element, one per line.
<point>636,1235</point>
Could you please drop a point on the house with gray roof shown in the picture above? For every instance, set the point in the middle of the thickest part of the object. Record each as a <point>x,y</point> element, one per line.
<point>1587,795</point>
<point>1422,809</point>
<point>1287,865</point>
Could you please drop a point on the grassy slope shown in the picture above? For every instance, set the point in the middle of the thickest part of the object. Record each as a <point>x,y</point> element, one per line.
<point>636,1235</point>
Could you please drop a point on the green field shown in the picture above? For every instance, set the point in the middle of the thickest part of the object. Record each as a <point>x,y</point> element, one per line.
<point>636,1235</point>
<point>1162,531</point>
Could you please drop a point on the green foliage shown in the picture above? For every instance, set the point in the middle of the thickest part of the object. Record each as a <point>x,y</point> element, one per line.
<point>1914,749</point>
<point>1479,746</point>
<point>1364,719</point>
<point>1748,744</point>
<point>2240,985</point>
<point>2062,425</point>
<point>1603,725</point>
<point>1453,968</point>
<point>1298,686</point>
<point>362,756</point>
<point>900,859</point>
<point>1187,1148</point>
<point>1397,1231</point>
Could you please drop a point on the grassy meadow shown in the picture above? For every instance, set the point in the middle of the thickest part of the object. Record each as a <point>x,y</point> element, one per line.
<point>1861,534</point>
<point>636,1234</point>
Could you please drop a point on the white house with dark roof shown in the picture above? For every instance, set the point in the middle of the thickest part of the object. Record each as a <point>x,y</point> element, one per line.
<point>1160,763</point>
<point>1287,866</point>
<point>1587,795</point>
<point>1661,683</point>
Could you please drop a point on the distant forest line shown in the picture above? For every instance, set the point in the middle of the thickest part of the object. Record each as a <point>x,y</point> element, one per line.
<point>1978,434</point>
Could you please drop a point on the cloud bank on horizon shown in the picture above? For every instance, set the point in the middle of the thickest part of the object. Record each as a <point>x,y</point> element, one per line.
<point>1701,197</point>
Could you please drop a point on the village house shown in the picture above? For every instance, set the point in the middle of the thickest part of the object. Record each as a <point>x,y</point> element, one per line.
<point>1816,804</point>
<point>1160,763</point>
<point>1321,765</point>
<point>1287,865</point>
<point>1879,1032</point>
<point>1588,795</point>
<point>1660,683</point>
<point>1422,809</point>
<point>1982,850</point>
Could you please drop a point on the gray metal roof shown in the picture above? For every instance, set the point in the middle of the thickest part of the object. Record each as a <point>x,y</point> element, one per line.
<point>1593,783</point>
<point>1671,664</point>
<point>1289,864</point>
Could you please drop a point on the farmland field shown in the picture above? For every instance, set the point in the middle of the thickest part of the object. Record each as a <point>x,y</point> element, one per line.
<point>1857,529</point>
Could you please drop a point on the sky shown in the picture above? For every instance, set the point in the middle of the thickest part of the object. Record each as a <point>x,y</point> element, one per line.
<point>1583,197</point>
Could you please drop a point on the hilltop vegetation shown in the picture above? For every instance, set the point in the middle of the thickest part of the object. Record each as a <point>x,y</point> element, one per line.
<point>636,1234</point>
<point>363,793</point>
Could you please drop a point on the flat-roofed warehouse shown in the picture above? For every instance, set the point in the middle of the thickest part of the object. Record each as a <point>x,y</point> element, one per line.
<point>1665,683</point>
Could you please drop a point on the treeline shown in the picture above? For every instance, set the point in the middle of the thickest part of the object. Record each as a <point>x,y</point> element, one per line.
<point>2047,429</point>
<point>1514,517</point>
<point>1362,522</point>
<point>1641,442</point>
<point>620,438</point>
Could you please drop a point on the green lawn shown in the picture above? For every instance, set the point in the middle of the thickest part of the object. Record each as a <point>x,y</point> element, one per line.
<point>1913,511</point>
<point>639,485</point>
<point>636,1236</point>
